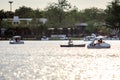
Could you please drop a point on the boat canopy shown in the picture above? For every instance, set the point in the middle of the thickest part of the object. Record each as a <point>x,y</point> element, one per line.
<point>16,37</point>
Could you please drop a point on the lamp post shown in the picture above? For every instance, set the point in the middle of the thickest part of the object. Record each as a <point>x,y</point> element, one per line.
<point>10,5</point>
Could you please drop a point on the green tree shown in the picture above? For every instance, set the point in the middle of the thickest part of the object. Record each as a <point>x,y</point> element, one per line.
<point>113,14</point>
<point>2,15</point>
<point>72,16</point>
<point>56,13</point>
<point>63,5</point>
<point>103,30</point>
<point>24,12</point>
<point>54,16</point>
<point>9,14</point>
<point>93,14</point>
<point>38,13</point>
<point>91,28</point>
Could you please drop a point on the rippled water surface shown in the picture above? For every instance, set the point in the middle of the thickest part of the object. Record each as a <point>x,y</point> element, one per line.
<point>46,60</point>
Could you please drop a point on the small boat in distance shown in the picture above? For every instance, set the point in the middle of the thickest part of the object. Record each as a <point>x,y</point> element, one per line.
<point>16,40</point>
<point>44,38</point>
<point>90,38</point>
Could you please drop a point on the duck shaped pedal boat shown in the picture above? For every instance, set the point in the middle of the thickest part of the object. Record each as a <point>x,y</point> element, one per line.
<point>99,44</point>
<point>16,40</point>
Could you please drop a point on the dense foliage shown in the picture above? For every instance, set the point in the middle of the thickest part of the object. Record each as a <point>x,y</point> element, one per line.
<point>63,15</point>
<point>113,14</point>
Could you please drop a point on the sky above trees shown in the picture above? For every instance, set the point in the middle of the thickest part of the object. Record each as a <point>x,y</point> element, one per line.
<point>41,4</point>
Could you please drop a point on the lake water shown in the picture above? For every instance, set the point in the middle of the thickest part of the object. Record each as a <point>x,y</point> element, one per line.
<point>46,60</point>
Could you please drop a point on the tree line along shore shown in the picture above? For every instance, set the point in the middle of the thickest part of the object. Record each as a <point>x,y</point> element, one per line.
<point>61,18</point>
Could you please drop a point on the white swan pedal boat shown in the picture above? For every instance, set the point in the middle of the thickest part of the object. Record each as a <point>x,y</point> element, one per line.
<point>16,40</point>
<point>102,45</point>
<point>98,45</point>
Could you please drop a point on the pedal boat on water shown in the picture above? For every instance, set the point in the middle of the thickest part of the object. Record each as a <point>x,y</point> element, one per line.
<point>16,40</point>
<point>98,45</point>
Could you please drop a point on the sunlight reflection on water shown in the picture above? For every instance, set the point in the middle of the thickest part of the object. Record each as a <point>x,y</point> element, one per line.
<point>46,60</point>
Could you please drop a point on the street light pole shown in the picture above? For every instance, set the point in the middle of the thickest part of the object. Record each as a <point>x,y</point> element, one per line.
<point>10,5</point>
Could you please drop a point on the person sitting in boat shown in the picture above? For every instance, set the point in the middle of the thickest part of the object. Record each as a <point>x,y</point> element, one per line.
<point>97,42</point>
<point>100,41</point>
<point>17,39</point>
<point>70,42</point>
